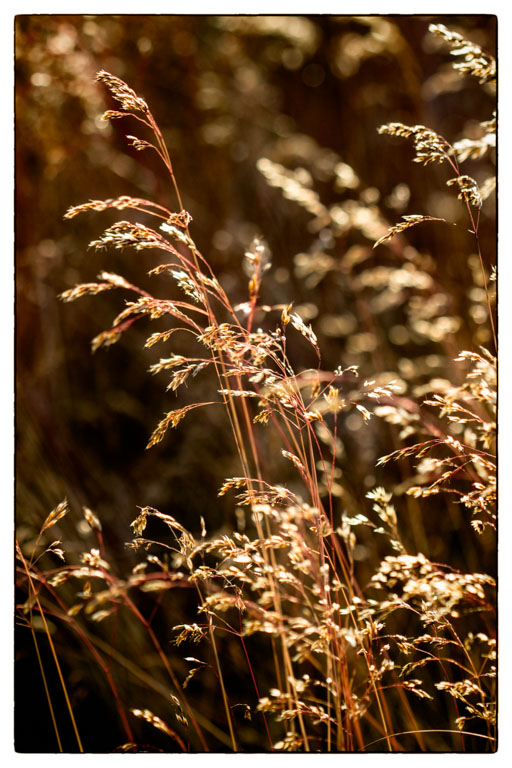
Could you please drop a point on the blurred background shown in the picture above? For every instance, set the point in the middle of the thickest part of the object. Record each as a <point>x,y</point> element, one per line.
<point>309,94</point>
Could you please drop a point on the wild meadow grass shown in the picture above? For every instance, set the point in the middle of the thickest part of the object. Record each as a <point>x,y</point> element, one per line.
<point>315,618</point>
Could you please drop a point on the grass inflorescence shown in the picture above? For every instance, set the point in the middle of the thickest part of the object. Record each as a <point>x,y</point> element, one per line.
<point>346,635</point>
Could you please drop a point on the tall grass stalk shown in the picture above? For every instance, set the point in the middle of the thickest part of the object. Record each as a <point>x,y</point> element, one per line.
<point>350,673</point>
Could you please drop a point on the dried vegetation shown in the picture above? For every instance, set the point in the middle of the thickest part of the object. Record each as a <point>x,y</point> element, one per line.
<point>318,614</point>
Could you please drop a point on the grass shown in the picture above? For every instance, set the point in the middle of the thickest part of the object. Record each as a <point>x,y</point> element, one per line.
<point>314,619</point>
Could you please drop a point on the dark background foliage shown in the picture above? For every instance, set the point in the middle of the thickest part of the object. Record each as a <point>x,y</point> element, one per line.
<point>225,91</point>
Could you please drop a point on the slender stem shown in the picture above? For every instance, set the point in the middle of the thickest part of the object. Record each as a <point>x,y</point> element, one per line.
<point>167,667</point>
<point>222,686</point>
<point>47,692</point>
<point>484,277</point>
<point>52,648</point>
